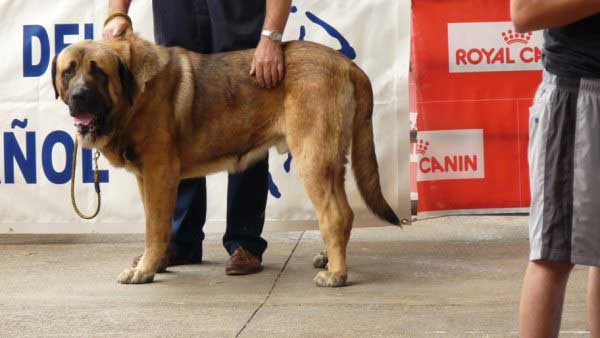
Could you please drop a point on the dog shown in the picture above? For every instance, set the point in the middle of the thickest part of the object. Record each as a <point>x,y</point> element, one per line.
<point>167,114</point>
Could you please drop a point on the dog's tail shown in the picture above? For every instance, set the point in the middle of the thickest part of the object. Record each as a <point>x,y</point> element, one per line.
<point>364,161</point>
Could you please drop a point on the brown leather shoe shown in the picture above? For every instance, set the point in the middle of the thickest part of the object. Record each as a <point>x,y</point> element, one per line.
<point>172,259</point>
<point>242,262</point>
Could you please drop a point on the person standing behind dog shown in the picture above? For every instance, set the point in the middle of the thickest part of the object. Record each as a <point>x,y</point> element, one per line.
<point>564,157</point>
<point>211,26</point>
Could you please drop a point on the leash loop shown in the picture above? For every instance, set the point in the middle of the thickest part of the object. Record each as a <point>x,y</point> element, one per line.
<point>96,183</point>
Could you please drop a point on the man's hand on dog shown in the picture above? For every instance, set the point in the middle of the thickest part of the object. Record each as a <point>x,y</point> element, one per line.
<point>267,64</point>
<point>116,27</point>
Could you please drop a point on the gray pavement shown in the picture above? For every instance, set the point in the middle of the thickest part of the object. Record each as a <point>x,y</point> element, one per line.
<point>444,277</point>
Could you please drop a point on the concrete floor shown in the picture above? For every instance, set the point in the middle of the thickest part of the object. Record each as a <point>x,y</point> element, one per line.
<point>445,277</point>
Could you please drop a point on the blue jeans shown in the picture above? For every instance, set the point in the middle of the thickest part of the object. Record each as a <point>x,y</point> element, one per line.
<point>211,26</point>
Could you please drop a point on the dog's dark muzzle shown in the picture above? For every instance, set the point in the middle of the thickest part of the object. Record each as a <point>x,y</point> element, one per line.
<point>88,110</point>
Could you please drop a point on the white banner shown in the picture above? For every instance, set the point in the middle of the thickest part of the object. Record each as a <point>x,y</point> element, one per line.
<point>492,47</point>
<point>36,130</point>
<point>450,155</point>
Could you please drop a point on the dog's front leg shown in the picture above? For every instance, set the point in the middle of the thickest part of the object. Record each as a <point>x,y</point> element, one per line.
<point>158,187</point>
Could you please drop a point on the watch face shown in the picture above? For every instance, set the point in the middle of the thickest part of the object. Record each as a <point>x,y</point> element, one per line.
<point>276,36</point>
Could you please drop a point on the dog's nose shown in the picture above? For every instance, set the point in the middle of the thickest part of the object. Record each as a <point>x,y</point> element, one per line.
<point>80,95</point>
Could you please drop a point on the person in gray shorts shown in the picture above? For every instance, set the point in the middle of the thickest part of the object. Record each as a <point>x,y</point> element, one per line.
<point>564,161</point>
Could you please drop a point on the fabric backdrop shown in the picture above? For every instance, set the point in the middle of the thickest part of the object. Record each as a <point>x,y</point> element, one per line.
<point>36,143</point>
<point>474,78</point>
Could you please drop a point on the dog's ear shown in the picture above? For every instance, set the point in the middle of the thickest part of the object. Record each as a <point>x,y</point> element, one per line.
<point>127,82</point>
<point>146,60</point>
<point>54,77</point>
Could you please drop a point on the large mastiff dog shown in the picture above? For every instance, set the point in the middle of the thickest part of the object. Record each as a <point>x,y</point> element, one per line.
<point>166,114</point>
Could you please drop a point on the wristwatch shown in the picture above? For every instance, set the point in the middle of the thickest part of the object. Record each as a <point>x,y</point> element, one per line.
<point>273,35</point>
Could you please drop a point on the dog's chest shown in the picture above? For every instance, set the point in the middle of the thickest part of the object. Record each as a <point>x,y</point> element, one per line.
<point>125,157</point>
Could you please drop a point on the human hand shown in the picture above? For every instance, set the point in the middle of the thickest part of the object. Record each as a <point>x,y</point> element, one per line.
<point>116,27</point>
<point>268,63</point>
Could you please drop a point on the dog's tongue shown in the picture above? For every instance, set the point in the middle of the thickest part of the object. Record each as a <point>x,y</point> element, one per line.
<point>83,119</point>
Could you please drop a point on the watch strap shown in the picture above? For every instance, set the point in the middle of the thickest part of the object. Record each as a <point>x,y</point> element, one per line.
<point>273,35</point>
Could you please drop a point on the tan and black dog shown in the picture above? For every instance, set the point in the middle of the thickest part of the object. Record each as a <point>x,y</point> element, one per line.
<point>166,114</point>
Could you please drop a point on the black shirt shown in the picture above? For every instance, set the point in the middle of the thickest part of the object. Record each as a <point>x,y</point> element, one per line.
<point>574,50</point>
<point>208,26</point>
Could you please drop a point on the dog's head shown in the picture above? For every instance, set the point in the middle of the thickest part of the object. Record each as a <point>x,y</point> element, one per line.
<point>94,83</point>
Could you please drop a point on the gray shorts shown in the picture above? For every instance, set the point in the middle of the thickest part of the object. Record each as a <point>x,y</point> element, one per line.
<point>564,171</point>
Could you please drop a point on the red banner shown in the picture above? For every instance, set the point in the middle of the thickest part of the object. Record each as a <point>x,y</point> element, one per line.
<point>474,80</point>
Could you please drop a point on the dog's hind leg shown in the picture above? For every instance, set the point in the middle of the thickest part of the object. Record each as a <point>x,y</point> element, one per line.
<point>320,260</point>
<point>322,183</point>
<point>318,133</point>
<point>342,202</point>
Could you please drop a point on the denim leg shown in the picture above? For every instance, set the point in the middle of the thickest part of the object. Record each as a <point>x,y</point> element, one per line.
<point>246,203</point>
<point>189,216</point>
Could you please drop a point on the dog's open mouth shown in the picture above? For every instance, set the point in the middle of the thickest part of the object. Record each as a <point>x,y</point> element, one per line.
<point>85,122</point>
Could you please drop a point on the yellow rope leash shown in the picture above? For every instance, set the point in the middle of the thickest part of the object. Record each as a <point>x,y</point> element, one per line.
<point>96,183</point>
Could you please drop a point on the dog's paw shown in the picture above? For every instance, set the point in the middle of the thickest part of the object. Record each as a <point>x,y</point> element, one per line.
<point>320,260</point>
<point>135,276</point>
<point>330,279</point>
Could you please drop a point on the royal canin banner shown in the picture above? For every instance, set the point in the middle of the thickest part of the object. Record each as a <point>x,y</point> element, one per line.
<point>473,79</point>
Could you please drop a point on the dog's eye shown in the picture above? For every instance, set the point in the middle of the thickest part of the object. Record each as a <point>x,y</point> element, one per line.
<point>97,71</point>
<point>69,72</point>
